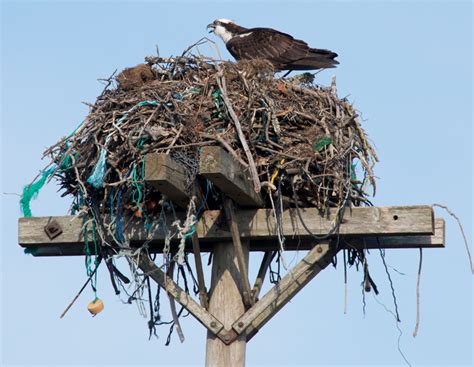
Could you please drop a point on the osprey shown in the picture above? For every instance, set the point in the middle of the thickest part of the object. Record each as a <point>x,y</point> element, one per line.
<point>281,49</point>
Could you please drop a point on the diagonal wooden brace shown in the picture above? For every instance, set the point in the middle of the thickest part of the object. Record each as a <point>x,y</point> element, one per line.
<point>257,316</point>
<point>202,315</point>
<point>265,264</point>
<point>200,273</point>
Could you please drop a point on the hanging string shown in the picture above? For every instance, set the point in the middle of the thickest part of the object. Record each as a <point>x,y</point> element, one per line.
<point>186,230</point>
<point>88,257</point>
<point>462,232</point>
<point>382,255</point>
<point>417,324</point>
<point>345,281</point>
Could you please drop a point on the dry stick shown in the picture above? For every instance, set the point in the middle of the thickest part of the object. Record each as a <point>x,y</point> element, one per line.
<point>227,147</point>
<point>79,293</point>
<point>174,140</point>
<point>462,231</point>
<point>68,151</point>
<point>173,307</point>
<point>148,120</point>
<point>186,145</point>
<point>253,169</point>
<point>417,325</point>
<point>275,152</point>
<point>78,176</point>
<point>200,274</point>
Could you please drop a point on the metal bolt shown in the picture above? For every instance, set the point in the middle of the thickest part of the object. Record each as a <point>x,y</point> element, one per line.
<point>226,338</point>
<point>319,249</point>
<point>240,324</point>
<point>213,324</point>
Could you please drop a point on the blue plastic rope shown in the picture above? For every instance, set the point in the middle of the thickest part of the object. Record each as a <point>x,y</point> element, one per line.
<point>96,179</point>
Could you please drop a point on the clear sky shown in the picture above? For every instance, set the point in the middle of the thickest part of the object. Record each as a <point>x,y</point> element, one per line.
<point>407,66</point>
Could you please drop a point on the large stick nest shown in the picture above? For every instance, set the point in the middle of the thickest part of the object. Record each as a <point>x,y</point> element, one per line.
<point>305,143</point>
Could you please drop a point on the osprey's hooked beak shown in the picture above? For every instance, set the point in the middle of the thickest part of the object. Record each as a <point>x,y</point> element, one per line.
<point>212,27</point>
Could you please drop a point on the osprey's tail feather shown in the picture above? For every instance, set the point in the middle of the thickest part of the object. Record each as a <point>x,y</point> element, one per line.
<point>315,59</point>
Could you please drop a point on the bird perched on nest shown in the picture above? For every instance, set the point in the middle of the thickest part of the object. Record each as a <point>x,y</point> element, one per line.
<point>281,49</point>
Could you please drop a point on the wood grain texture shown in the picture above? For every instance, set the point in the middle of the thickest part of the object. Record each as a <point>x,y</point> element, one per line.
<point>256,225</point>
<point>168,177</point>
<point>227,305</point>
<point>71,241</point>
<point>228,175</point>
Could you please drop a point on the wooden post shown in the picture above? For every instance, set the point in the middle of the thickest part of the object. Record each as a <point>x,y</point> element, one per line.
<point>226,304</point>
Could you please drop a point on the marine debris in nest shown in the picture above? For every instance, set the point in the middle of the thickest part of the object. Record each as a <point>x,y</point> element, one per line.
<point>300,131</point>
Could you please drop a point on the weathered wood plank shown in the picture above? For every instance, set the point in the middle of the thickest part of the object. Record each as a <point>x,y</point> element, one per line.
<point>226,304</point>
<point>437,240</point>
<point>71,242</point>
<point>257,225</point>
<point>257,316</point>
<point>168,177</point>
<point>228,175</point>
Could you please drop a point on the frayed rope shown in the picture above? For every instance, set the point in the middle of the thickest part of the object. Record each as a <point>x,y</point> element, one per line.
<point>96,179</point>
<point>31,191</point>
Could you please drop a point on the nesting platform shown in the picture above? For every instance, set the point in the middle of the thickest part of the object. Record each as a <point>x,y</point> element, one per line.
<point>361,227</point>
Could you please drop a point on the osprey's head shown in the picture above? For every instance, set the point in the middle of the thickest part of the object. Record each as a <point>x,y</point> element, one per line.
<point>224,28</point>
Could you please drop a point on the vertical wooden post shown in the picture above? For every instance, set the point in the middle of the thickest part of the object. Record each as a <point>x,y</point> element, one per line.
<point>226,304</point>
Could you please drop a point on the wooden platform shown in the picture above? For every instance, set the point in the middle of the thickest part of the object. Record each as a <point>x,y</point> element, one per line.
<point>364,227</point>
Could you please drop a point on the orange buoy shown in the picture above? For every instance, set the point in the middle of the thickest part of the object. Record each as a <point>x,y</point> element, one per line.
<point>95,306</point>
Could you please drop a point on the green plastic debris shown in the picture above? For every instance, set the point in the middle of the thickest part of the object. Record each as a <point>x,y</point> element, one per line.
<point>317,146</point>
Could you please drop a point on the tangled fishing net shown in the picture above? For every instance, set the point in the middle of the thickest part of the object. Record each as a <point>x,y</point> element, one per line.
<point>298,142</point>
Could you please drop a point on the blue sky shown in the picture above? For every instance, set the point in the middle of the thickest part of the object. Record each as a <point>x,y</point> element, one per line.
<point>407,66</point>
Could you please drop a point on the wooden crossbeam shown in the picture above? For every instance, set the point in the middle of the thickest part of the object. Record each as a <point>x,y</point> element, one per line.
<point>228,175</point>
<point>367,227</point>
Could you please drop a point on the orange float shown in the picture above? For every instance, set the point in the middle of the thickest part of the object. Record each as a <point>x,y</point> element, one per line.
<point>95,306</point>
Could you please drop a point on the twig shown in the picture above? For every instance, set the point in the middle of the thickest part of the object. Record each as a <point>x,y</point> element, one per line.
<point>173,306</point>
<point>174,140</point>
<point>462,231</point>
<point>226,146</point>
<point>238,127</point>
<point>417,324</point>
<point>81,290</point>
<point>78,177</point>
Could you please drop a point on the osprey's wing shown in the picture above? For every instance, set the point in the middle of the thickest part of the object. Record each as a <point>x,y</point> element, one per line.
<point>281,49</point>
